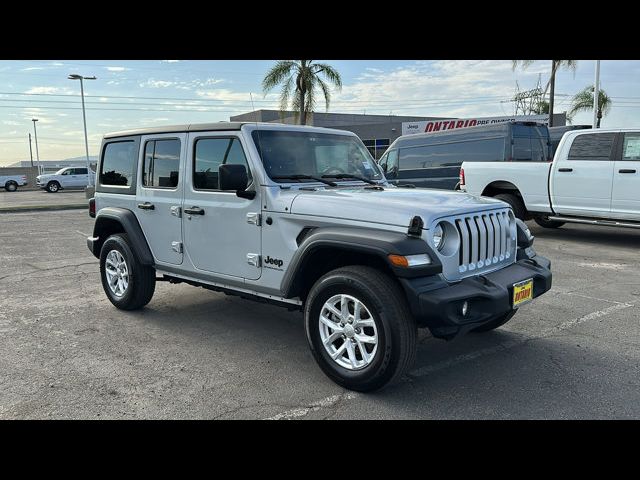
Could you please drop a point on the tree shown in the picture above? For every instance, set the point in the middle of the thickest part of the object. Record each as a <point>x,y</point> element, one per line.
<point>583,101</point>
<point>305,76</point>
<point>541,107</point>
<point>555,66</point>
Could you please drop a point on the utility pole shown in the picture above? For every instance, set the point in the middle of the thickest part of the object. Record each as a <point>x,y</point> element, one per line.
<point>30,151</point>
<point>596,95</point>
<point>75,76</point>
<point>35,133</point>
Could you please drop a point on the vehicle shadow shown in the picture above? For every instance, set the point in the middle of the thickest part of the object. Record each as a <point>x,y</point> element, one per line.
<point>589,234</point>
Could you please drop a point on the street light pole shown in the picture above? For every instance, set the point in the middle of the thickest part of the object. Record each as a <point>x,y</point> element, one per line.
<point>30,151</point>
<point>84,120</point>
<point>35,133</point>
<point>596,94</point>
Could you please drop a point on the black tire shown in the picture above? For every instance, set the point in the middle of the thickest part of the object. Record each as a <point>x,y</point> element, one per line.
<point>519,210</point>
<point>11,186</point>
<point>396,327</point>
<point>544,221</point>
<point>53,187</point>
<point>142,278</point>
<point>495,323</point>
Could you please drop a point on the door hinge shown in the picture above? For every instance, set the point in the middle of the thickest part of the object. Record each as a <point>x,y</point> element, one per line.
<point>176,247</point>
<point>253,259</point>
<point>176,211</point>
<point>254,218</point>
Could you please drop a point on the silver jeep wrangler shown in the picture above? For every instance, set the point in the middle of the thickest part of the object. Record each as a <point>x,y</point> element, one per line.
<point>303,217</point>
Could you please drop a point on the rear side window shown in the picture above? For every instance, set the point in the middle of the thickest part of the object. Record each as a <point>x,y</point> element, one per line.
<point>80,171</point>
<point>592,147</point>
<point>529,149</point>
<point>161,163</point>
<point>210,153</point>
<point>452,154</point>
<point>631,146</point>
<point>118,163</point>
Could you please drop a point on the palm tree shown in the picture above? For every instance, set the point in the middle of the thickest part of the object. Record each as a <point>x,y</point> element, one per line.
<point>305,76</point>
<point>555,66</point>
<point>583,100</point>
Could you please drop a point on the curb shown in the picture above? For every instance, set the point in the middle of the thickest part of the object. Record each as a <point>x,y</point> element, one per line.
<point>38,208</point>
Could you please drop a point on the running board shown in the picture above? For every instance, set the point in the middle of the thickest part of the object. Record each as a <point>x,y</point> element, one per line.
<point>604,223</point>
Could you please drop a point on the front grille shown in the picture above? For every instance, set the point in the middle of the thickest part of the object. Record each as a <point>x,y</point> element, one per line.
<point>487,241</point>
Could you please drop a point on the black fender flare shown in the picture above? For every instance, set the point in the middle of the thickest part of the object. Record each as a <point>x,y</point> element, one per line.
<point>380,243</point>
<point>130,225</point>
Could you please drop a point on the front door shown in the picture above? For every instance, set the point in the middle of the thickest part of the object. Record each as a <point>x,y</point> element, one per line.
<point>625,200</point>
<point>582,183</point>
<point>159,194</point>
<point>223,237</point>
<point>66,178</point>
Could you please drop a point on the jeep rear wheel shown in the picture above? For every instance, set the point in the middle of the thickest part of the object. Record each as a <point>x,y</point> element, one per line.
<point>53,187</point>
<point>129,285</point>
<point>359,328</point>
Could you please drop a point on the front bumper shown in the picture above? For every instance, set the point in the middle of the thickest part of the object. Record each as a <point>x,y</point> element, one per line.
<point>438,304</point>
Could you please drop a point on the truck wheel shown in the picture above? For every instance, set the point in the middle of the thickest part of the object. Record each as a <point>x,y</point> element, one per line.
<point>359,327</point>
<point>495,323</point>
<point>519,210</point>
<point>544,221</point>
<point>53,187</point>
<point>11,186</point>
<point>129,285</point>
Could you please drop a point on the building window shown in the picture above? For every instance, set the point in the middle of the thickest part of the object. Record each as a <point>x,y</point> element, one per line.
<point>377,146</point>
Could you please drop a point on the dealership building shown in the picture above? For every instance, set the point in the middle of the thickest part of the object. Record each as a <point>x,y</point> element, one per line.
<point>378,131</point>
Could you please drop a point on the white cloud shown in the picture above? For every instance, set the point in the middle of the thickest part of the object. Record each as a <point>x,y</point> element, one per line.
<point>116,69</point>
<point>28,69</point>
<point>151,83</point>
<point>11,122</point>
<point>50,90</point>
<point>170,61</point>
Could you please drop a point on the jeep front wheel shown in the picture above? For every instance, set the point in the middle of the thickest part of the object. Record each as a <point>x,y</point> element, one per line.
<point>53,187</point>
<point>359,327</point>
<point>129,285</point>
<point>11,186</point>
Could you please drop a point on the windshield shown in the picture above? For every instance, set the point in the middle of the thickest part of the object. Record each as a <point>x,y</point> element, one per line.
<point>311,154</point>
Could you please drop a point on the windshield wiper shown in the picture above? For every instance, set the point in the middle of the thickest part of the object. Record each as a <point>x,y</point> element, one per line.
<point>348,175</point>
<point>305,177</point>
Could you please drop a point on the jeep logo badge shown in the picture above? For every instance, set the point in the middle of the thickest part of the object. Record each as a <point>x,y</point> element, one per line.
<point>274,261</point>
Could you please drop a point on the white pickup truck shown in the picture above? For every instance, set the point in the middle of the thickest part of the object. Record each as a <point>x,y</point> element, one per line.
<point>594,178</point>
<point>12,182</point>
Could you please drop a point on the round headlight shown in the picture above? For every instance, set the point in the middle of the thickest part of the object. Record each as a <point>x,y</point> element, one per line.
<point>438,237</point>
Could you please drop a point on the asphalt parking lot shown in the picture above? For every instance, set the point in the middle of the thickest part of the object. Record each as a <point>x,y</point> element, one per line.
<point>40,199</point>
<point>65,352</point>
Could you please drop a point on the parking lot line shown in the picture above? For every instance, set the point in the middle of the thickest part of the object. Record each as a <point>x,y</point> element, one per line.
<point>313,407</point>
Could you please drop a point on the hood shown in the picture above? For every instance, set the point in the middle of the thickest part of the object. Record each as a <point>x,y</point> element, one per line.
<point>391,206</point>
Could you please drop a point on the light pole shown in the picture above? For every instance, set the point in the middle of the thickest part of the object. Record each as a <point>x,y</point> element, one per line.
<point>84,119</point>
<point>596,95</point>
<point>35,134</point>
<point>30,151</point>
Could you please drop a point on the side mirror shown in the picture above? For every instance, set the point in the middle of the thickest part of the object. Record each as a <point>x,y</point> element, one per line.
<point>234,177</point>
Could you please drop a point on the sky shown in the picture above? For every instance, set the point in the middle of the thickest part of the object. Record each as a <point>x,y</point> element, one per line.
<point>135,94</point>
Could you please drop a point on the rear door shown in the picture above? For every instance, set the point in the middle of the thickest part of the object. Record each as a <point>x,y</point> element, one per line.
<point>80,177</point>
<point>582,181</point>
<point>625,199</point>
<point>159,194</point>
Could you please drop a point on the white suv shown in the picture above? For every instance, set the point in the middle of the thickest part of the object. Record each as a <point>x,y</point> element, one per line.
<point>302,217</point>
<point>68,177</point>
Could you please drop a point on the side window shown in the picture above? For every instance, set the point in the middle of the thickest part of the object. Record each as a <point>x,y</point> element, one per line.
<point>522,149</point>
<point>118,163</point>
<point>392,162</point>
<point>631,146</point>
<point>161,163</point>
<point>592,147</point>
<point>67,172</point>
<point>383,161</point>
<point>209,154</point>
<point>79,171</point>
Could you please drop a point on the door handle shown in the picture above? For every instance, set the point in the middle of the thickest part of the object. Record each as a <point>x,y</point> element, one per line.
<point>146,206</point>
<point>627,170</point>
<point>194,211</point>
<point>565,169</point>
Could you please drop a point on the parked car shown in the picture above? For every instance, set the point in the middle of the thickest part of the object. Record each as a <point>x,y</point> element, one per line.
<point>12,182</point>
<point>302,217</point>
<point>556,133</point>
<point>67,177</point>
<point>594,179</point>
<point>433,159</point>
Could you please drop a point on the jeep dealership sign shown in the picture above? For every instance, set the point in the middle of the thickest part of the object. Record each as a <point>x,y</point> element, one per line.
<point>451,123</point>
